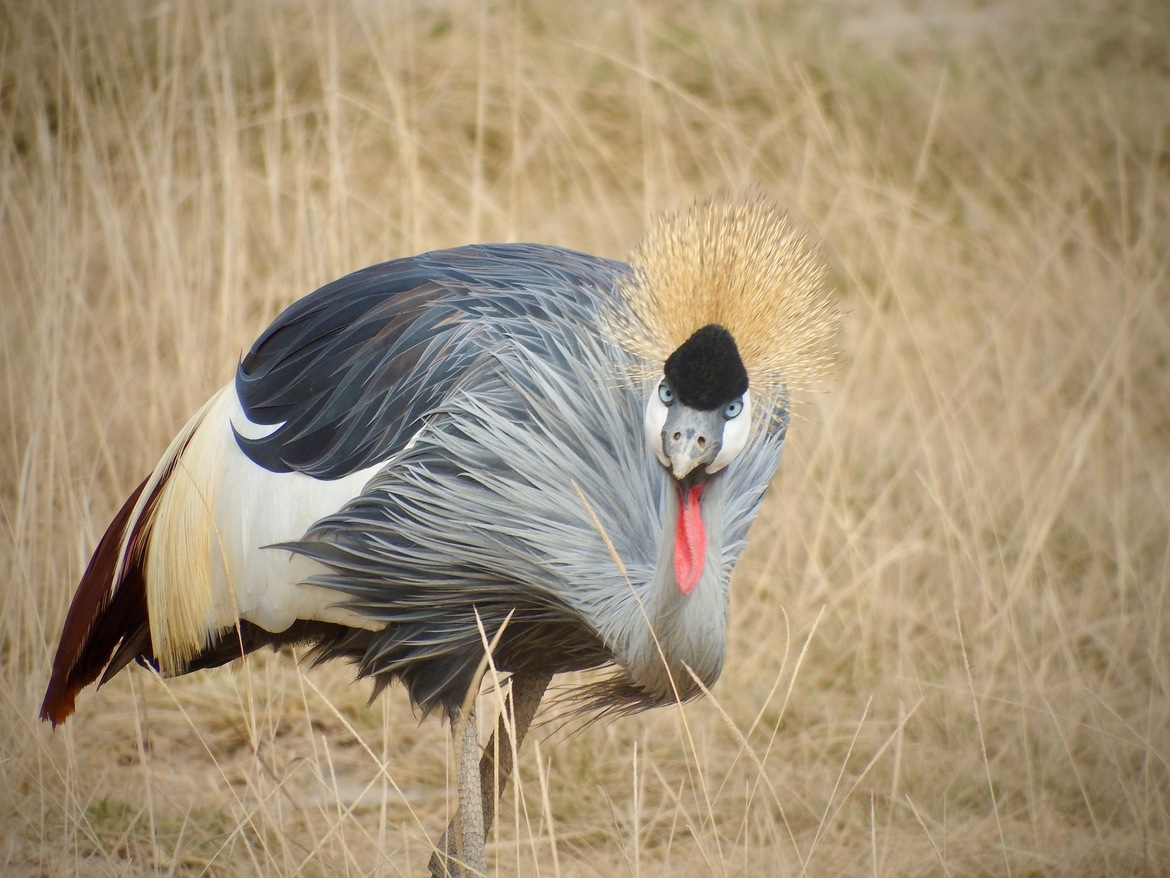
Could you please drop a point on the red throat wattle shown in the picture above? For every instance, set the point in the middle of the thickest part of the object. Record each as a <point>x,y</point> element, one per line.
<point>690,539</point>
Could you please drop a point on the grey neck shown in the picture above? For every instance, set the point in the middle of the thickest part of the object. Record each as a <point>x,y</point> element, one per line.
<point>684,631</point>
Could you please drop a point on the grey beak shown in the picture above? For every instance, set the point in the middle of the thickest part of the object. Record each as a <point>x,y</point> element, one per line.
<point>691,438</point>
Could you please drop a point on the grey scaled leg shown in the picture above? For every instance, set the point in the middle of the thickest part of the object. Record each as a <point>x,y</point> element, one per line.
<point>527,691</point>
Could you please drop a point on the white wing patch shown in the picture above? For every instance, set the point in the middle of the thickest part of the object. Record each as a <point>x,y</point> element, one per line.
<point>210,559</point>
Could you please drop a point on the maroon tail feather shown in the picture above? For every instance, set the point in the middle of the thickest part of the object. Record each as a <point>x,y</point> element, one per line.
<point>100,615</point>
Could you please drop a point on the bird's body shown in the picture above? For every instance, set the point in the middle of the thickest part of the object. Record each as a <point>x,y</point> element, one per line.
<point>436,453</point>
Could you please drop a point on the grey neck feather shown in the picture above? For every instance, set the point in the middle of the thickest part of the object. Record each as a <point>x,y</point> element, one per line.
<point>681,634</point>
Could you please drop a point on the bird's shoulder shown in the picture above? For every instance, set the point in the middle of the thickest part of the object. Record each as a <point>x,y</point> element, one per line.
<point>343,377</point>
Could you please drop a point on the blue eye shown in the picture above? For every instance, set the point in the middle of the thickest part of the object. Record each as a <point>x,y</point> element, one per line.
<point>665,393</point>
<point>733,409</point>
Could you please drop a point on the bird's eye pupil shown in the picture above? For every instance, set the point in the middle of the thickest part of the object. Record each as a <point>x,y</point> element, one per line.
<point>665,393</point>
<point>733,409</point>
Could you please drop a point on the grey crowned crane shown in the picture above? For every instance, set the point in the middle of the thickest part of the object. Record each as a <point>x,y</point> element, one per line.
<point>516,445</point>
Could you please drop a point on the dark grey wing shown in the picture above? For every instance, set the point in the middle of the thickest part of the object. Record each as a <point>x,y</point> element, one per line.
<point>345,376</point>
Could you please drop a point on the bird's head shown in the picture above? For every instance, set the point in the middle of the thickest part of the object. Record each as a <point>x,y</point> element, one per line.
<point>698,418</point>
<point>723,292</point>
<point>698,415</point>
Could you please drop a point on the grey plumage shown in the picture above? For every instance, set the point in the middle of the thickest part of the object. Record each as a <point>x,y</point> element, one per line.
<point>347,374</point>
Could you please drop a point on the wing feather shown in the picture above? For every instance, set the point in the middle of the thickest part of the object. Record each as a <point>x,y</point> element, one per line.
<point>346,375</point>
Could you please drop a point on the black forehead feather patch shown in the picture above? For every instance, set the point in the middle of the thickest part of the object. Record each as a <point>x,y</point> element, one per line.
<point>706,371</point>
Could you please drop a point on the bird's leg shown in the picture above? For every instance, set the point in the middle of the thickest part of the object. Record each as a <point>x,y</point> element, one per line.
<point>468,820</point>
<point>494,770</point>
<point>462,845</point>
<point>527,692</point>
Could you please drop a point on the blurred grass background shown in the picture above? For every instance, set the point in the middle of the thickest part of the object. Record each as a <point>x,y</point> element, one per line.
<point>949,647</point>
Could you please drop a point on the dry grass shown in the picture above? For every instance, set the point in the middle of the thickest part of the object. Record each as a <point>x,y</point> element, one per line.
<point>949,652</point>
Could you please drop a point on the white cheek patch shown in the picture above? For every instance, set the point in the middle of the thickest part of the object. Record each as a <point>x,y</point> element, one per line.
<point>652,422</point>
<point>735,435</point>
